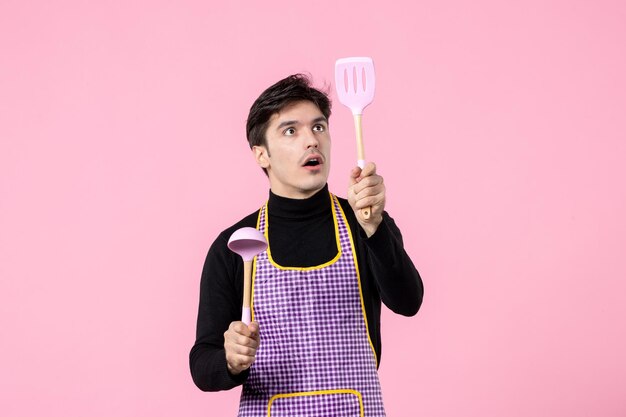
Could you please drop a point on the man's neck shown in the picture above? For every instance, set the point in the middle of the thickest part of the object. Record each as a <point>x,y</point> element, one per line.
<point>296,208</point>
<point>297,195</point>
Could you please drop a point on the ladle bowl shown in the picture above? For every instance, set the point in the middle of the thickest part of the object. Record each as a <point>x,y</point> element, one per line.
<point>247,242</point>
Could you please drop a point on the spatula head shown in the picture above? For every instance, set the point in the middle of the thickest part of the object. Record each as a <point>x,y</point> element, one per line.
<point>355,82</point>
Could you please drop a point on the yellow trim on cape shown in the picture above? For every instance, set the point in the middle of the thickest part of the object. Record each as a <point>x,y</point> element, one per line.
<point>323,392</point>
<point>307,268</point>
<point>258,224</point>
<point>358,275</point>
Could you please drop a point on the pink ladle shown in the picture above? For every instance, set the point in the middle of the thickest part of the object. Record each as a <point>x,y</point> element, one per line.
<point>247,242</point>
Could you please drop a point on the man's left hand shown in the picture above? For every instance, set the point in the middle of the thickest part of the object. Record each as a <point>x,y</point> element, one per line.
<point>367,189</point>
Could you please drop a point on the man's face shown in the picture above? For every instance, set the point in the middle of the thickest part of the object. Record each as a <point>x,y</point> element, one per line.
<point>297,151</point>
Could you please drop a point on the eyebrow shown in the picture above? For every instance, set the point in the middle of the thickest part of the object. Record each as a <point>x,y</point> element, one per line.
<point>320,119</point>
<point>295,122</point>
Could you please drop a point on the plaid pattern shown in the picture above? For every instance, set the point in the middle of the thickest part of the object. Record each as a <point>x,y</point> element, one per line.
<point>313,338</point>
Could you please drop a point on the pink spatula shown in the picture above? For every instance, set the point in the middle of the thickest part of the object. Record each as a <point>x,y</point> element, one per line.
<point>355,83</point>
<point>247,242</point>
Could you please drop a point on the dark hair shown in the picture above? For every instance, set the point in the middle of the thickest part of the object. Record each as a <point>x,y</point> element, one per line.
<point>294,88</point>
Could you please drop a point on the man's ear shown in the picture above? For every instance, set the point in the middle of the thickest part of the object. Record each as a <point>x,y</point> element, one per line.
<point>261,155</point>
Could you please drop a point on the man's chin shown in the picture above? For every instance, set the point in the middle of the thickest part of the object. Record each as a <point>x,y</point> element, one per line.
<point>311,189</point>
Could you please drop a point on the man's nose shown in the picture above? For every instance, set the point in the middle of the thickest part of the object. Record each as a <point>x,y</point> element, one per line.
<point>311,140</point>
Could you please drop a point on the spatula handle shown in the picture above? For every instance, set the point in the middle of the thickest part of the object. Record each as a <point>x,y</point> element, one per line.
<point>360,151</point>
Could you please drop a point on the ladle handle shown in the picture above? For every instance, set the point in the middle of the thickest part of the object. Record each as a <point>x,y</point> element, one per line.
<point>247,290</point>
<point>360,151</point>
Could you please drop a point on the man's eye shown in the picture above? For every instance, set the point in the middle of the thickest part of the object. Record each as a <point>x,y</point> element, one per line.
<point>290,131</point>
<point>319,128</point>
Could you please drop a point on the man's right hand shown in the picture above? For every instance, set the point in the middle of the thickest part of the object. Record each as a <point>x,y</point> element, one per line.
<point>240,343</point>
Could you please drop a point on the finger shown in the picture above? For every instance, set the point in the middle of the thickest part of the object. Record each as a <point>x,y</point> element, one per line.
<point>370,196</point>
<point>369,169</point>
<point>233,338</point>
<point>240,362</point>
<point>254,330</point>
<point>242,350</point>
<point>234,351</point>
<point>245,341</point>
<point>354,175</point>
<point>373,202</point>
<point>369,185</point>
<point>244,362</point>
<point>241,328</point>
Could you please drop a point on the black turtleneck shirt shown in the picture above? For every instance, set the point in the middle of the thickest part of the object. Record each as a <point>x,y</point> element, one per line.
<point>301,234</point>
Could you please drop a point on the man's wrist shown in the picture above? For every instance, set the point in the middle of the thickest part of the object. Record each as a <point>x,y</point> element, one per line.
<point>231,370</point>
<point>371,228</point>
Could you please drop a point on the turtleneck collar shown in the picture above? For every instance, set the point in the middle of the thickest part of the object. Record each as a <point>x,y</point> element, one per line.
<point>295,208</point>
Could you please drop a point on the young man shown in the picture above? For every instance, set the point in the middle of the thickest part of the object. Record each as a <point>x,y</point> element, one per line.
<point>314,345</point>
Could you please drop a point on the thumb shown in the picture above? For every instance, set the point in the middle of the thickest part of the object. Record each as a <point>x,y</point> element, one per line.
<point>354,175</point>
<point>254,328</point>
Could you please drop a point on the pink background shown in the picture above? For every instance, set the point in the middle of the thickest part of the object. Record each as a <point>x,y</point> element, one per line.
<point>499,129</point>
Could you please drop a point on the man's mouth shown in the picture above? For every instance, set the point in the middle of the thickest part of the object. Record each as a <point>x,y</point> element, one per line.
<point>313,160</point>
